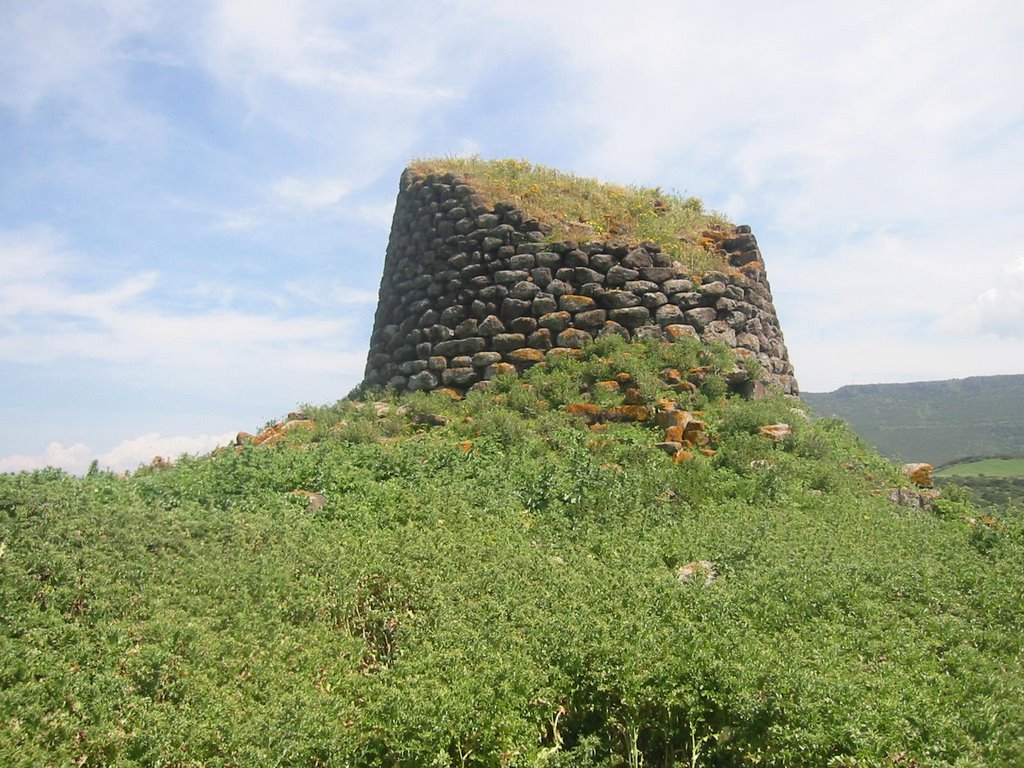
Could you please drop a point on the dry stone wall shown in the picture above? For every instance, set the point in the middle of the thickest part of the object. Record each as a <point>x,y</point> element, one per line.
<point>471,291</point>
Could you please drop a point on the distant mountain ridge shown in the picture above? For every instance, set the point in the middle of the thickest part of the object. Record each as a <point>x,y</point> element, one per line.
<point>934,421</point>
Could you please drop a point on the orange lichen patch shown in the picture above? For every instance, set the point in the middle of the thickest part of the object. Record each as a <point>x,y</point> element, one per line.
<point>628,413</point>
<point>624,379</point>
<point>694,430</point>
<point>451,394</point>
<point>708,451</point>
<point>775,432</point>
<point>608,386</point>
<point>671,376</point>
<point>524,356</point>
<point>920,474</point>
<point>588,411</point>
<point>632,396</point>
<point>700,371</point>
<point>685,387</point>
<point>674,434</point>
<point>465,445</point>
<point>678,331</point>
<point>673,417</point>
<point>682,456</point>
<point>269,436</point>
<point>501,369</point>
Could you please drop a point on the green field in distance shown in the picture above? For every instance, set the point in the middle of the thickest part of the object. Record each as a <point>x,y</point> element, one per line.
<point>986,467</point>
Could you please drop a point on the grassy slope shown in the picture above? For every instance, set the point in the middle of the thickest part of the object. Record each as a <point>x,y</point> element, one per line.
<point>577,208</point>
<point>512,600</point>
<point>935,421</point>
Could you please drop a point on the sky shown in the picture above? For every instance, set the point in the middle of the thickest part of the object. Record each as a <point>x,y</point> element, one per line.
<point>196,196</point>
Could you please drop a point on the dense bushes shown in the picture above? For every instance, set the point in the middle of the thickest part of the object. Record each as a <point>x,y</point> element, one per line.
<point>493,583</point>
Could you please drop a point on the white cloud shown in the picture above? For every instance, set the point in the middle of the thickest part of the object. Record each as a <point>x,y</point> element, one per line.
<point>377,215</point>
<point>126,455</point>
<point>54,51</point>
<point>46,317</point>
<point>237,221</point>
<point>997,311</point>
<point>331,294</point>
<point>73,458</point>
<point>311,194</point>
<point>312,44</point>
<point>129,454</point>
<point>882,356</point>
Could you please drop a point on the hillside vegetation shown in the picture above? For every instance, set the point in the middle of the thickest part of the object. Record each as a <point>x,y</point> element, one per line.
<point>940,422</point>
<point>570,207</point>
<point>517,578</point>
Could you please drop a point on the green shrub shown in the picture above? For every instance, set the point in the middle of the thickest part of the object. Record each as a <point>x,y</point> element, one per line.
<point>503,586</point>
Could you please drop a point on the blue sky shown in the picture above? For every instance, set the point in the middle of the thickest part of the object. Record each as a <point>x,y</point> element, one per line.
<point>196,195</point>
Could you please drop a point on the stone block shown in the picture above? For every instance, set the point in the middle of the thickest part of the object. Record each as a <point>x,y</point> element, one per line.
<point>574,303</point>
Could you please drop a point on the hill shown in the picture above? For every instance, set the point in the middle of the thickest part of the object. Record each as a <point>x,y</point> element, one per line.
<point>940,422</point>
<point>603,560</point>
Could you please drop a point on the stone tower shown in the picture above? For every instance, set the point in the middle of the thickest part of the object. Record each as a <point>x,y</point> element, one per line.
<point>470,291</point>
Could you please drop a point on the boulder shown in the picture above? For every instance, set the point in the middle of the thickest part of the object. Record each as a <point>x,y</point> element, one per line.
<point>776,432</point>
<point>920,474</point>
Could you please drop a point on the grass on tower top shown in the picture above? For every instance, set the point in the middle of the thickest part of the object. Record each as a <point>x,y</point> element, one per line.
<point>572,207</point>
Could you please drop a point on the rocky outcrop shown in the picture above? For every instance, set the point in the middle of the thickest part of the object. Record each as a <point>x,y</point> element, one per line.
<point>471,291</point>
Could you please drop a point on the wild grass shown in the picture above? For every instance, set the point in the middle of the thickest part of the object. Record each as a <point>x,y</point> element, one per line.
<point>573,207</point>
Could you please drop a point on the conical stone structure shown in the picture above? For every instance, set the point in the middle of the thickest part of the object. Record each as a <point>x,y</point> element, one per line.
<point>470,291</point>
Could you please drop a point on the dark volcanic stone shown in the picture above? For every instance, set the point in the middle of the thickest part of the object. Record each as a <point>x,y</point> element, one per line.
<point>573,338</point>
<point>514,308</point>
<point>505,342</point>
<point>637,258</point>
<point>490,326</point>
<point>455,347</point>
<point>556,321</point>
<point>574,303</point>
<point>630,317</point>
<point>619,300</point>
<point>593,318</point>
